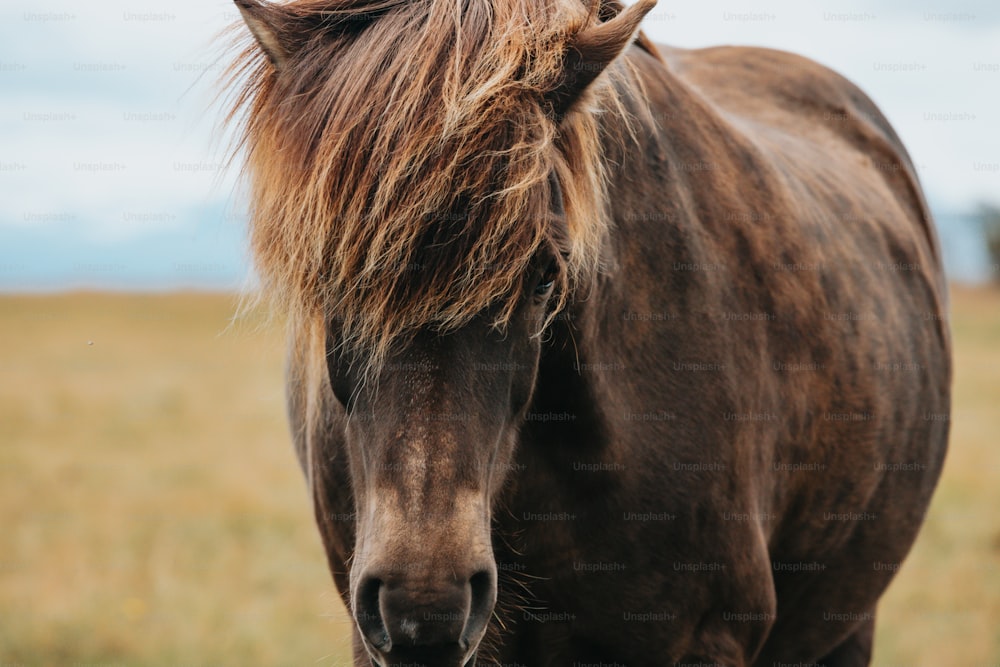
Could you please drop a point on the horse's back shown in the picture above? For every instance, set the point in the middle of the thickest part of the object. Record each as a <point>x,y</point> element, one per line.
<point>790,106</point>
<point>826,184</point>
<point>783,90</point>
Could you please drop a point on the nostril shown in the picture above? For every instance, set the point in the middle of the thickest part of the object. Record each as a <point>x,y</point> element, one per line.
<point>482,584</point>
<point>369,616</point>
<point>483,593</point>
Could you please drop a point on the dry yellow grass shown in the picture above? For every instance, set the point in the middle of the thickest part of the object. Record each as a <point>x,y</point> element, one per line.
<point>944,607</point>
<point>152,513</point>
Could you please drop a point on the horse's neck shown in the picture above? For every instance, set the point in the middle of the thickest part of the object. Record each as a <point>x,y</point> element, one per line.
<point>647,205</point>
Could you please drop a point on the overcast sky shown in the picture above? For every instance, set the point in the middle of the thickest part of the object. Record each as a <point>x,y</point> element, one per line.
<point>110,176</point>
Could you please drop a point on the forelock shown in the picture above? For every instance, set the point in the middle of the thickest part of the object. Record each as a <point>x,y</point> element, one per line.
<point>400,169</point>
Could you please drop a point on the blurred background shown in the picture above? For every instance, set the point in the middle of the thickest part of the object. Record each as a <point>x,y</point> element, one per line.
<point>151,511</point>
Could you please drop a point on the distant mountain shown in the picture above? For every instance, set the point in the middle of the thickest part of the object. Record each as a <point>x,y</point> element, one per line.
<point>207,249</point>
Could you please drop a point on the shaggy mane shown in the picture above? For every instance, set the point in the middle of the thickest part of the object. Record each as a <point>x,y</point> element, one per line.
<point>399,162</point>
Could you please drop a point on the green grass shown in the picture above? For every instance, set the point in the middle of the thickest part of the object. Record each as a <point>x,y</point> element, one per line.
<point>152,512</point>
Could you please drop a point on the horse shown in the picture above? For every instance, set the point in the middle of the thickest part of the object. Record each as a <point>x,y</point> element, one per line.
<point>600,351</point>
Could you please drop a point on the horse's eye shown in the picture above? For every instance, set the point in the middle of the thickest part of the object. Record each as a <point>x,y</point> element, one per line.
<point>547,279</point>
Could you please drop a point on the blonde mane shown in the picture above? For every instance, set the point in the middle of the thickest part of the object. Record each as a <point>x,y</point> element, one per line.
<point>400,162</point>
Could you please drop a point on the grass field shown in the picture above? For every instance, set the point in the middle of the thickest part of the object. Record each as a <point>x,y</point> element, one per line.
<point>152,513</point>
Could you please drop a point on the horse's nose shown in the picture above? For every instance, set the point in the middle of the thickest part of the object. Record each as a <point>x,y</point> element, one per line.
<point>441,621</point>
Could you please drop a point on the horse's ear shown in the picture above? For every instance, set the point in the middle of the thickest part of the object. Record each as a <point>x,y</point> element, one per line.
<point>279,32</point>
<point>594,48</point>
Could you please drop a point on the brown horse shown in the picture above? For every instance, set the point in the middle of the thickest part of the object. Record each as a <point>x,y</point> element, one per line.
<point>600,352</point>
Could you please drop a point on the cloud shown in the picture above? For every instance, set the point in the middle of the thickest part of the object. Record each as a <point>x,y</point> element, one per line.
<point>107,91</point>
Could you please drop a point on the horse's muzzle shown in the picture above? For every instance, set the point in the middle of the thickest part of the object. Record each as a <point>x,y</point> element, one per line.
<point>432,658</point>
<point>406,623</point>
